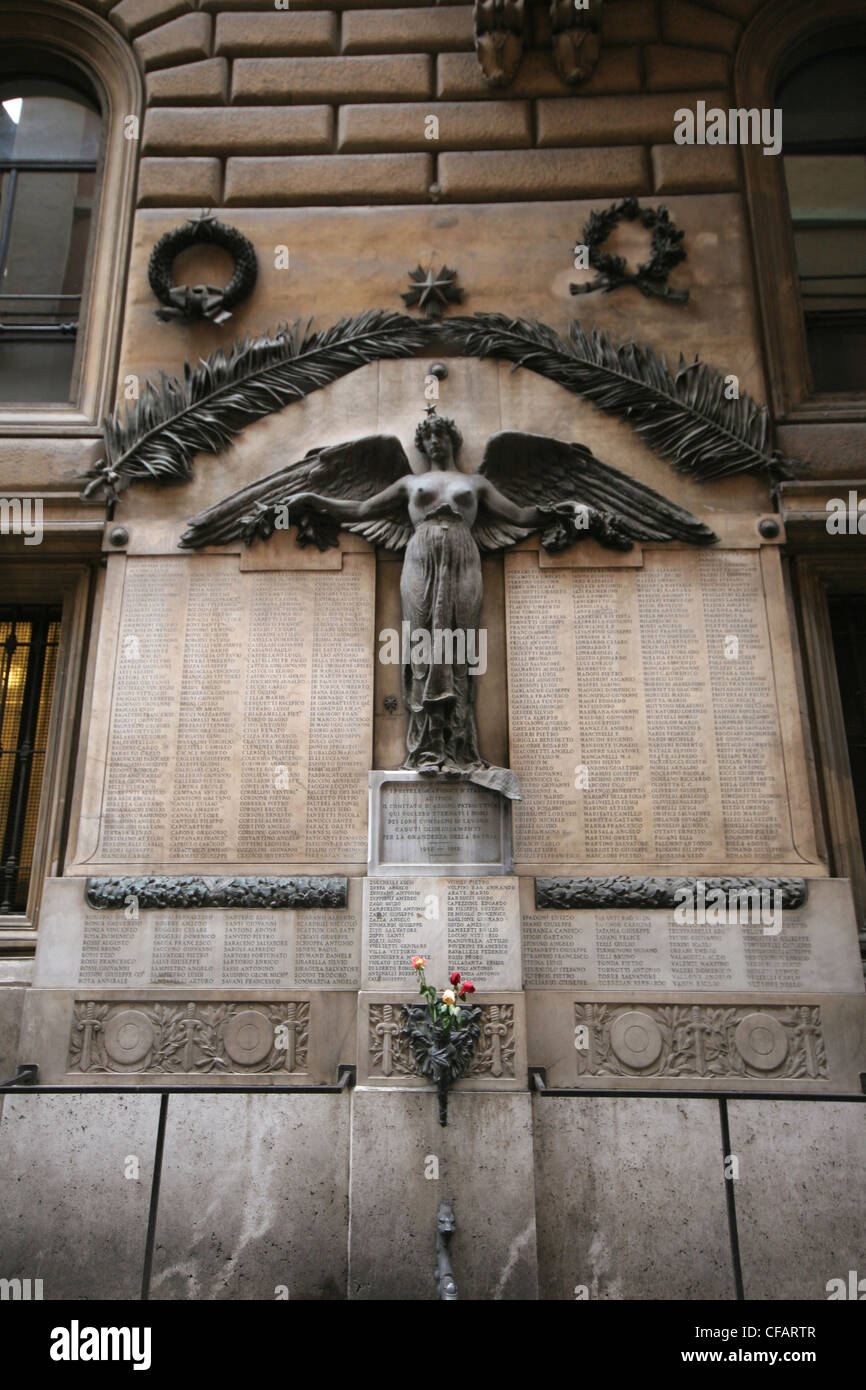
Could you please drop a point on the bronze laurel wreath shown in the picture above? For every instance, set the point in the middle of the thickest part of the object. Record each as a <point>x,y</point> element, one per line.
<point>651,276</point>
<point>201,301</point>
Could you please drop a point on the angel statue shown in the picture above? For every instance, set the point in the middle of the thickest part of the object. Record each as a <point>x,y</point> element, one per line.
<point>443,520</point>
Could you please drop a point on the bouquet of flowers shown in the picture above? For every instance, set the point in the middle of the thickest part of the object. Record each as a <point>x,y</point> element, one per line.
<point>445,1013</point>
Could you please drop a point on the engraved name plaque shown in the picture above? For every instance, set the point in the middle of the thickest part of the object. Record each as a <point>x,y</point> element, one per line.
<point>471,925</point>
<point>812,949</point>
<point>652,719</point>
<point>418,824</point>
<point>232,716</point>
<point>197,948</point>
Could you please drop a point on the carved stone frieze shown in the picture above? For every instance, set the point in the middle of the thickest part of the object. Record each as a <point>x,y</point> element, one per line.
<point>391,1054</point>
<point>494,1051</point>
<point>624,891</point>
<point>155,891</point>
<point>700,1040</point>
<point>193,1039</point>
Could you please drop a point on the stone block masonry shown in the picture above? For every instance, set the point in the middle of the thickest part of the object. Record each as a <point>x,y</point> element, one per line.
<point>334,100</point>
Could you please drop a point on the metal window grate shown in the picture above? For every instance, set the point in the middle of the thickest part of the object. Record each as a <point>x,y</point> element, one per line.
<point>29,644</point>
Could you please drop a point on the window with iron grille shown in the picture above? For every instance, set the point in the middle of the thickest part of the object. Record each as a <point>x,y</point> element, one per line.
<point>50,134</point>
<point>29,645</point>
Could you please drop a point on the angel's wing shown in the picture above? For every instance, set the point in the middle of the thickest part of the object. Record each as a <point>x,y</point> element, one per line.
<point>532,468</point>
<point>357,470</point>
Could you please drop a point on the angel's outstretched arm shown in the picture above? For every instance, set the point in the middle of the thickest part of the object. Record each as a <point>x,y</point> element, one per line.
<point>348,508</point>
<point>505,510</point>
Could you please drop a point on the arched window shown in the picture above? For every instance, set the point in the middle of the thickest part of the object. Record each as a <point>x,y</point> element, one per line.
<point>824,122</point>
<point>50,137</point>
<point>70,102</point>
<point>808,207</point>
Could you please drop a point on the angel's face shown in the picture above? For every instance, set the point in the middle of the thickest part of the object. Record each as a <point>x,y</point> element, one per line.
<point>438,447</point>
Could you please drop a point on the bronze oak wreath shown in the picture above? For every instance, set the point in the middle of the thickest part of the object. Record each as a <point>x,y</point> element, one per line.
<point>651,276</point>
<point>682,413</point>
<point>201,301</point>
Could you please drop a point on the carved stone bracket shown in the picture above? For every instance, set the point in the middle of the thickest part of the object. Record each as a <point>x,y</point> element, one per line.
<point>576,38</point>
<point>500,31</point>
<point>700,1040</point>
<point>194,1038</point>
<point>570,894</point>
<point>153,891</point>
<point>500,37</point>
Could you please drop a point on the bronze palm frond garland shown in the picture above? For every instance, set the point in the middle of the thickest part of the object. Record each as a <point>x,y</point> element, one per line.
<point>157,438</point>
<point>685,417</point>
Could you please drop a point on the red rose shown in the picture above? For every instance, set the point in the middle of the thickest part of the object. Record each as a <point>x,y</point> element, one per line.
<point>467,988</point>
<point>455,978</point>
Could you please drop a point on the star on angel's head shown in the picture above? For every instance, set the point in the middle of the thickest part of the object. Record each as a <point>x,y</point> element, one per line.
<point>433,290</point>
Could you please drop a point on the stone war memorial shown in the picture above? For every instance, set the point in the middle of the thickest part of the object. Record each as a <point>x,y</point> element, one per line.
<point>432,713</point>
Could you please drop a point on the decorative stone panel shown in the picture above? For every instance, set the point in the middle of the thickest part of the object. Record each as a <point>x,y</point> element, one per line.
<point>192,1038</point>
<point>756,1041</point>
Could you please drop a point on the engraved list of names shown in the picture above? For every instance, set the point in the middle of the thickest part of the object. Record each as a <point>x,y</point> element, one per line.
<point>644,722</point>
<point>241,715</point>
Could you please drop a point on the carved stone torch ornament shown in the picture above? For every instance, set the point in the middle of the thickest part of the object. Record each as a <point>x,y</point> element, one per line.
<point>442,1033</point>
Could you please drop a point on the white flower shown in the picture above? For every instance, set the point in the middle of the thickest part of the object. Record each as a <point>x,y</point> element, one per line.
<point>449,996</point>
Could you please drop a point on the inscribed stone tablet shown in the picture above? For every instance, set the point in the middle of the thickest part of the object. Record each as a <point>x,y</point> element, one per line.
<point>240,720</point>
<point>201,948</point>
<point>809,950</point>
<point>468,924</point>
<point>417,823</point>
<point>646,724</point>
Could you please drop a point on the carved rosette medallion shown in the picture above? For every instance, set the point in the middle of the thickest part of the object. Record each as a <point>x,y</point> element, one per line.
<point>192,1039</point>
<point>700,1040</point>
<point>636,1039</point>
<point>248,1037</point>
<point>391,1055</point>
<point>761,1040</point>
<point>128,1036</point>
